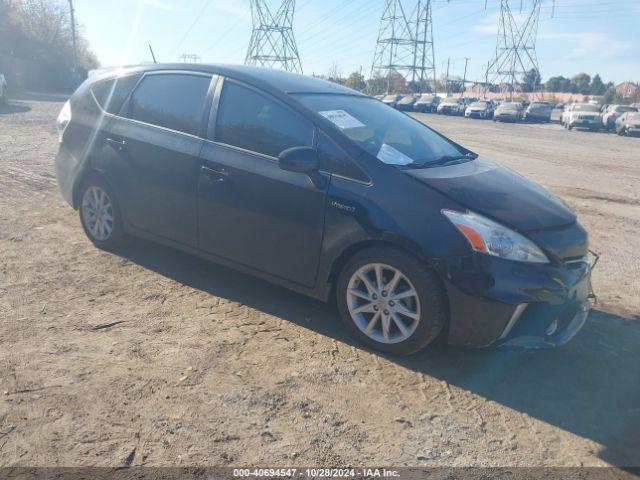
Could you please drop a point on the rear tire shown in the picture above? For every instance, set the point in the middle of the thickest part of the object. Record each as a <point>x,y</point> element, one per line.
<point>100,213</point>
<point>402,297</point>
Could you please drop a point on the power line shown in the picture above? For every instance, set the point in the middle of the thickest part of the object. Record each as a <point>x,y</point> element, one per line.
<point>193,24</point>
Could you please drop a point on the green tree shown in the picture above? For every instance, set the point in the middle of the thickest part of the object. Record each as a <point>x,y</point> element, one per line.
<point>356,81</point>
<point>597,85</point>
<point>39,31</point>
<point>581,83</point>
<point>531,81</point>
<point>377,85</point>
<point>558,84</point>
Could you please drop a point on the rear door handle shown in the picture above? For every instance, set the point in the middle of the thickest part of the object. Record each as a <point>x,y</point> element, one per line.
<point>117,144</point>
<point>217,175</point>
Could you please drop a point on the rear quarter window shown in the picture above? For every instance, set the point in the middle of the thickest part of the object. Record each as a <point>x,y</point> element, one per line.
<point>111,94</point>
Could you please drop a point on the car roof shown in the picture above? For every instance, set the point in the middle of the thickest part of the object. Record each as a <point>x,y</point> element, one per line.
<point>265,78</point>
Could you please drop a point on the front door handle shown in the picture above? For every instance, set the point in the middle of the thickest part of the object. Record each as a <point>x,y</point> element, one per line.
<point>217,175</point>
<point>117,144</point>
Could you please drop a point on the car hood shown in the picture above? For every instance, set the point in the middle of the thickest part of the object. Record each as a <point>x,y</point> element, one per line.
<point>508,111</point>
<point>498,193</point>
<point>586,114</point>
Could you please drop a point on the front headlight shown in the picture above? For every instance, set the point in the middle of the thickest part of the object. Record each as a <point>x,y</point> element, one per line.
<point>487,236</point>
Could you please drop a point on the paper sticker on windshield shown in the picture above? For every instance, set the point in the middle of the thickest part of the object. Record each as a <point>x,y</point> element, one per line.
<point>390,155</point>
<point>342,119</point>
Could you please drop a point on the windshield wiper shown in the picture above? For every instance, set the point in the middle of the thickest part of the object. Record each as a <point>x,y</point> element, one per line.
<point>449,160</point>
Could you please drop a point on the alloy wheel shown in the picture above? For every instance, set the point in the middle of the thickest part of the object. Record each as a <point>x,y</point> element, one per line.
<point>97,213</point>
<point>383,303</point>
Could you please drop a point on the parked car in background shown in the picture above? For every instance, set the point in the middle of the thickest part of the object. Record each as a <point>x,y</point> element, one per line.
<point>451,106</point>
<point>628,124</point>
<point>3,88</point>
<point>480,109</point>
<point>427,102</point>
<point>582,115</point>
<point>391,100</point>
<point>378,97</point>
<point>613,112</point>
<point>406,103</point>
<point>323,190</point>
<point>509,112</point>
<point>538,112</point>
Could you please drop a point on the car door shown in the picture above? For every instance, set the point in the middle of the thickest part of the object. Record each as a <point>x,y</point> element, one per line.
<point>156,145</point>
<point>251,211</point>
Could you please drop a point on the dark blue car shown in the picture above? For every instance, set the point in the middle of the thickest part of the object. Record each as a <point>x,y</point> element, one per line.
<point>330,193</point>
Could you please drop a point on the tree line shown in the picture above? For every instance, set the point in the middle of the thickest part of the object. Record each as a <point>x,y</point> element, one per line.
<point>581,83</point>
<point>36,36</point>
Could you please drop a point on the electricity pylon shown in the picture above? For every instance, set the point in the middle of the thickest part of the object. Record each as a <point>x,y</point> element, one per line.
<point>515,53</point>
<point>405,42</point>
<point>272,42</point>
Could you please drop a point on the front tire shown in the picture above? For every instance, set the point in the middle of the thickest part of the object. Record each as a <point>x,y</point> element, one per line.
<point>390,301</point>
<point>100,214</point>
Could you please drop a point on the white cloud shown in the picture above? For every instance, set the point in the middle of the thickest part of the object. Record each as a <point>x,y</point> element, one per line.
<point>587,45</point>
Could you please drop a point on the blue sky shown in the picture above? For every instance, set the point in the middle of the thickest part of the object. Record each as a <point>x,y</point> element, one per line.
<point>593,36</point>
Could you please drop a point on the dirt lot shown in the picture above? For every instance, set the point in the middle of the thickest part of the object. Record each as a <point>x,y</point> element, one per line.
<point>153,357</point>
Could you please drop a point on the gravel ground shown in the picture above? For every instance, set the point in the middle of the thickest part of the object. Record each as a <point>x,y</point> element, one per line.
<point>154,357</point>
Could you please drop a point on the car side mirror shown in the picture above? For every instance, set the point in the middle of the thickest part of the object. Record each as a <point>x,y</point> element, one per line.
<point>299,159</point>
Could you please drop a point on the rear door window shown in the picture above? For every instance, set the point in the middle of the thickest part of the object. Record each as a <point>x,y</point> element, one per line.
<point>171,100</point>
<point>252,121</point>
<point>111,94</point>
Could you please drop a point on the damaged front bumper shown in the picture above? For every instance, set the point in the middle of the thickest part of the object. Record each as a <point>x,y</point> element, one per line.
<point>499,302</point>
<point>544,325</point>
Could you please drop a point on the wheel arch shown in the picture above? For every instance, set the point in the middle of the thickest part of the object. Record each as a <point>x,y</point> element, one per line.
<point>84,174</point>
<point>341,260</point>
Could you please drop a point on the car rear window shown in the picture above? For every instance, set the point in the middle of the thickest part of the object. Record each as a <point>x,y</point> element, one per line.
<point>111,94</point>
<point>250,120</point>
<point>171,100</point>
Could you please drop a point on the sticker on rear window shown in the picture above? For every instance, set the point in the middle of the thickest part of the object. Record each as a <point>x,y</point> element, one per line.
<point>390,155</point>
<point>342,119</point>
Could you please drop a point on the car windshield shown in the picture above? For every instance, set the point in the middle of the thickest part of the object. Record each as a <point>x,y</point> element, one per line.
<point>391,136</point>
<point>391,97</point>
<point>450,101</point>
<point>479,104</point>
<point>539,105</point>
<point>510,105</point>
<point>585,107</point>
<point>626,108</point>
<point>426,98</point>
